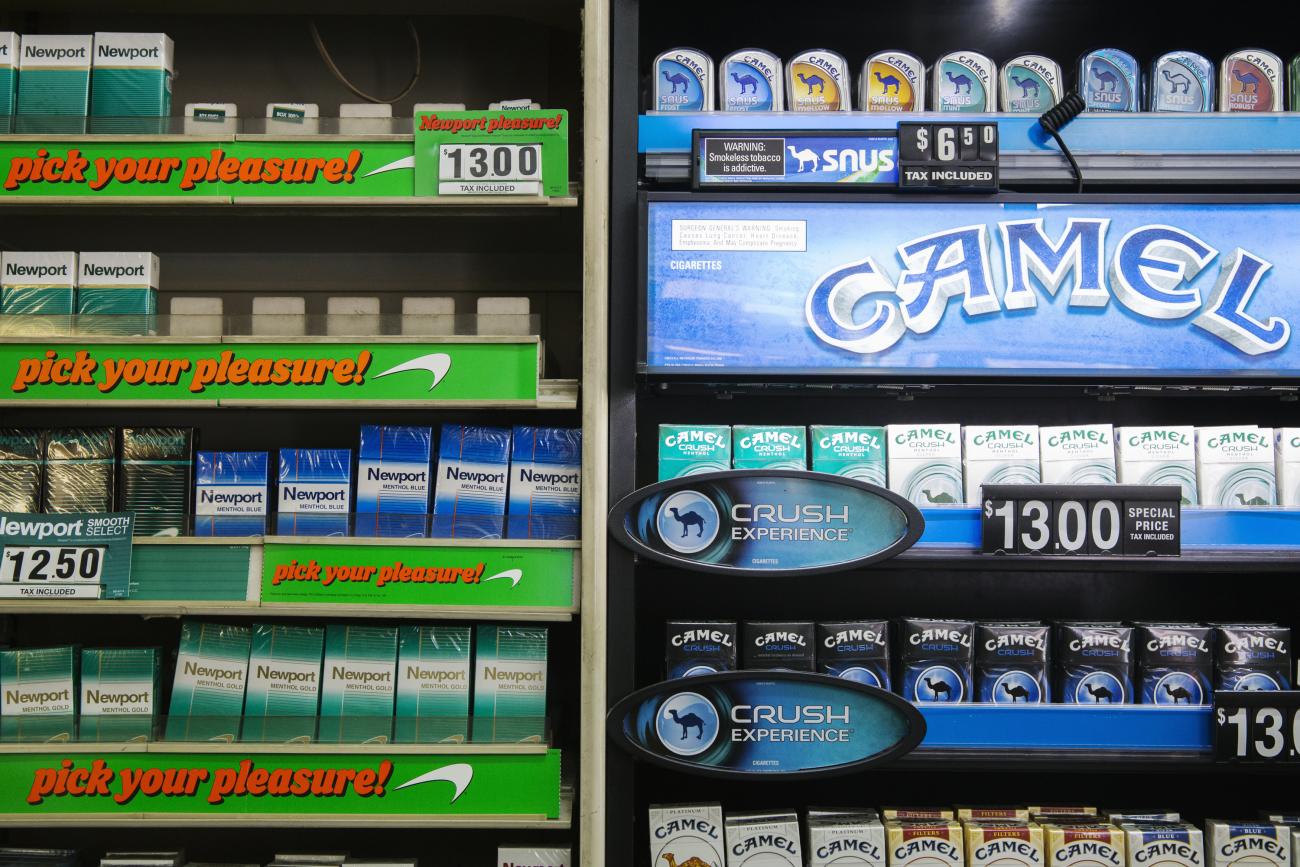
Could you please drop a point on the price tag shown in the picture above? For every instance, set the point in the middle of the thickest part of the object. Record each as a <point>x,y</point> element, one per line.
<point>65,556</point>
<point>490,169</point>
<point>1257,727</point>
<point>73,568</point>
<point>1082,520</point>
<point>948,157</point>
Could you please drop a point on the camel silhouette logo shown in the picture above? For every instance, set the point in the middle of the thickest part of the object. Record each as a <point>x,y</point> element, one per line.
<point>1016,687</point>
<point>1256,681</point>
<point>807,158</point>
<point>959,82</point>
<point>687,522</point>
<point>812,81</point>
<point>1178,687</point>
<point>1026,85</point>
<point>1249,81</point>
<point>888,82</point>
<point>1106,79</point>
<point>746,82</point>
<point>1100,687</point>
<point>1177,81</point>
<point>939,683</point>
<point>677,79</point>
<point>687,724</point>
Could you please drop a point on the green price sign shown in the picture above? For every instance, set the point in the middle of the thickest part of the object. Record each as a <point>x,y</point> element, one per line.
<point>492,153</point>
<point>67,556</point>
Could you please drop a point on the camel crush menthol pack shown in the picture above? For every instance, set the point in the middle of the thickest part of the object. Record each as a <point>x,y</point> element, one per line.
<point>932,843</point>
<point>999,455</point>
<point>1094,663</point>
<point>208,689</point>
<point>856,650</point>
<point>284,683</point>
<point>358,684</point>
<point>766,839</point>
<point>846,839</point>
<point>1251,80</point>
<point>1030,84</point>
<point>964,81</point>
<point>230,493</point>
<point>38,694</point>
<point>1247,844</point>
<point>769,447</point>
<point>782,646</point>
<point>1158,456</point>
<point>1098,844</point>
<point>1175,663</point>
<point>393,480</point>
<point>925,463</point>
<point>1078,454</point>
<point>818,80</point>
<point>1287,451</point>
<point>119,694</point>
<point>892,81</point>
<point>853,452</point>
<point>1252,656</point>
<point>510,684</point>
<point>1164,844</point>
<point>1012,663</point>
<point>935,659</point>
<point>1004,844</point>
<point>1109,80</point>
<point>470,498</point>
<point>1181,81</point>
<point>433,682</point>
<point>752,80</point>
<point>682,834</point>
<point>315,492</point>
<point>683,81</point>
<point>696,647</point>
<point>687,450</point>
<point>1235,466</point>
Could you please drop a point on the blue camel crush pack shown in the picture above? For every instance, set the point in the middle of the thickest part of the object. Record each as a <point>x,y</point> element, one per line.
<point>470,498</point>
<point>855,650</point>
<point>1109,80</point>
<point>935,659</point>
<point>1181,81</point>
<point>683,81</point>
<point>695,647</point>
<point>1252,656</point>
<point>545,483</point>
<point>1012,663</point>
<point>1175,663</point>
<point>751,80</point>
<point>778,645</point>
<point>1094,663</point>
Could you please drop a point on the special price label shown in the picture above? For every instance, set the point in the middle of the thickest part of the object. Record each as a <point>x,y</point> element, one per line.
<point>1257,727</point>
<point>74,556</point>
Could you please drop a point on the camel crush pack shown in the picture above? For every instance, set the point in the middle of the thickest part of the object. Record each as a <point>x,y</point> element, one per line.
<point>999,455</point>
<point>695,647</point>
<point>1175,663</point>
<point>686,833</point>
<point>767,839</point>
<point>1181,81</point>
<point>1248,844</point>
<point>846,839</point>
<point>892,81</point>
<point>1004,844</point>
<point>935,659</point>
<point>1030,84</point>
<point>1252,656</point>
<point>751,80</point>
<point>853,452</point>
<point>1235,466</point>
<point>964,81</point>
<point>683,81</point>
<point>1011,663</point>
<point>1164,844</point>
<point>783,646</point>
<point>687,450</point>
<point>769,447</point>
<point>925,463</point>
<point>925,843</point>
<point>818,80</point>
<point>855,650</point>
<point>1158,456</point>
<point>1109,80</point>
<point>1287,450</point>
<point>1078,455</point>
<point>1251,80</point>
<point>1098,844</point>
<point>1094,663</point>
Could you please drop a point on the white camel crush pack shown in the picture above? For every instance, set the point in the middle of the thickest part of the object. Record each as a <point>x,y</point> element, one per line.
<point>1158,456</point>
<point>1098,844</point>
<point>1078,455</point>
<point>818,80</point>
<point>1235,466</point>
<point>680,833</point>
<point>848,839</point>
<point>1004,844</point>
<point>1287,450</point>
<point>964,81</point>
<point>1000,455</point>
<point>1248,844</point>
<point>925,462</point>
<point>925,844</point>
<point>1164,844</point>
<point>767,839</point>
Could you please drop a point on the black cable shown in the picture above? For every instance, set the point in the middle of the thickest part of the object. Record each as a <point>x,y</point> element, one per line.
<point>329,61</point>
<point>1055,118</point>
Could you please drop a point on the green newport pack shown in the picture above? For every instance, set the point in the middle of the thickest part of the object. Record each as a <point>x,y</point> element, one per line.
<point>54,84</point>
<point>687,450</point>
<point>208,689</point>
<point>855,452</point>
<point>120,287</point>
<point>510,684</point>
<point>284,679</point>
<point>9,54</point>
<point>356,703</point>
<point>770,447</point>
<point>38,284</point>
<point>38,695</point>
<point>131,79</point>
<point>22,469</point>
<point>119,694</point>
<point>433,674</point>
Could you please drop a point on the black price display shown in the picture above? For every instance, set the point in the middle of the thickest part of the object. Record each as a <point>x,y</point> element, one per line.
<point>1257,727</point>
<point>32,564</point>
<point>1081,520</point>
<point>948,157</point>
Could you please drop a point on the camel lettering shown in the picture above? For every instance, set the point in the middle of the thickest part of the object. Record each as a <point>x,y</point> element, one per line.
<point>746,81</point>
<point>688,722</point>
<point>690,519</point>
<point>676,79</point>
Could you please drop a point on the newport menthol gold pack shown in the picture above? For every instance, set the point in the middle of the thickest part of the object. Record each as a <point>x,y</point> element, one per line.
<point>132,75</point>
<point>284,683</point>
<point>208,689</point>
<point>925,463</point>
<point>1004,844</point>
<point>818,80</point>
<point>964,81</point>
<point>9,53</point>
<point>545,483</point>
<point>358,684</point>
<point>1235,466</point>
<point>892,81</point>
<point>686,834</point>
<point>766,839</point>
<point>999,455</point>
<point>1098,844</point>
<point>769,447</point>
<point>38,283</point>
<point>54,76</point>
<point>1164,844</point>
<point>687,450</point>
<point>932,843</point>
<point>510,684</point>
<point>119,693</point>
<point>1247,844</point>
<point>1159,456</point>
<point>1286,449</point>
<point>38,694</point>
<point>846,839</point>
<point>1078,454</point>
<point>433,684</point>
<point>852,452</point>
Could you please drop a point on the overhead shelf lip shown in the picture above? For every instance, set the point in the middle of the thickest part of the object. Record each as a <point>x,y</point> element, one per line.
<point>294,820</point>
<point>253,748</point>
<point>187,608</point>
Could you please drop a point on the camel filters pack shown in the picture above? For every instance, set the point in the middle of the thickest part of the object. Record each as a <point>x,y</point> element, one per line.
<point>1004,844</point>
<point>1098,844</point>
<point>1094,663</point>
<point>935,659</point>
<point>1175,663</point>
<point>1011,663</point>
<point>933,843</point>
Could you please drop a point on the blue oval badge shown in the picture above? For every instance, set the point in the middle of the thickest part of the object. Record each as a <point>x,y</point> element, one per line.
<point>743,724</point>
<point>781,521</point>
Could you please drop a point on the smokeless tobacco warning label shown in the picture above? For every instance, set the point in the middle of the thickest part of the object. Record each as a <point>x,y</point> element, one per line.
<point>757,156</point>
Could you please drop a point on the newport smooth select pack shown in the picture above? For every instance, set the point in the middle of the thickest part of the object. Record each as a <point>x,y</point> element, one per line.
<point>359,684</point>
<point>119,693</point>
<point>545,483</point>
<point>769,447</point>
<point>22,469</point>
<point>393,480</point>
<point>433,678</point>
<point>925,463</point>
<point>42,284</point>
<point>509,684</point>
<point>9,53</point>
<point>284,680</point>
<point>1247,844</point>
<point>1000,455</point>
<point>230,494</point>
<point>208,690</point>
<point>315,492</point>
<point>687,450</point>
<point>132,75</point>
<point>1287,452</point>
<point>473,464</point>
<point>54,76</point>
<point>688,832</point>
<point>155,477</point>
<point>121,285</point>
<point>1078,454</point>
<point>38,694</point>
<point>1158,456</point>
<point>1235,466</point>
<point>853,452</point>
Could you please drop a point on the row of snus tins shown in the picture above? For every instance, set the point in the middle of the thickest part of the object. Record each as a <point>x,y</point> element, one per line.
<point>1109,79</point>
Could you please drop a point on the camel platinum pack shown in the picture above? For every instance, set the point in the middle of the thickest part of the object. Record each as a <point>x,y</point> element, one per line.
<point>687,450</point>
<point>925,843</point>
<point>696,647</point>
<point>1012,663</point>
<point>1109,80</point>
<point>779,646</point>
<point>1098,844</point>
<point>1252,656</point>
<point>1158,456</point>
<point>999,455</point>
<point>683,81</point>
<point>1031,84</point>
<point>853,452</point>
<point>1181,81</point>
<point>846,840</point>
<point>925,463</point>
<point>1251,80</point>
<point>752,80</point>
<point>1004,844</point>
<point>964,81</point>
<point>856,650</point>
<point>766,839</point>
<point>1162,844</point>
<point>682,833</point>
<point>1235,466</point>
<point>935,658</point>
<point>818,80</point>
<point>1247,844</point>
<point>1287,451</point>
<point>1175,663</point>
<point>769,447</point>
<point>1094,663</point>
<point>1078,455</point>
<point>892,81</point>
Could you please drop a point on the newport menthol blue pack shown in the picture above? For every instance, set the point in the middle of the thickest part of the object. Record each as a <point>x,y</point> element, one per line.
<point>315,492</point>
<point>470,498</point>
<point>935,659</point>
<point>1012,663</point>
<point>1247,844</point>
<point>683,81</point>
<point>393,481</point>
<point>433,684</point>
<point>769,447</point>
<point>358,684</point>
<point>38,694</point>
<point>284,683</point>
<point>1109,80</point>
<point>22,469</point>
<point>9,53</point>
<point>119,694</point>
<point>510,684</point>
<point>230,494</point>
<point>545,483</point>
<point>1175,663</point>
<point>38,283</point>
<point>1252,657</point>
<point>208,689</point>
<point>852,452</point>
<point>856,650</point>
<point>1164,844</point>
<point>687,450</point>
<point>1094,663</point>
<point>695,647</point>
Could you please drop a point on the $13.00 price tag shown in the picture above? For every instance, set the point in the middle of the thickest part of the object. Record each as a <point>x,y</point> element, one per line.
<point>65,556</point>
<point>490,169</point>
<point>1257,727</point>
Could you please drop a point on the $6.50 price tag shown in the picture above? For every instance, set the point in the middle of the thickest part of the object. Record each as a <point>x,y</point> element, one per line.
<point>1257,726</point>
<point>490,169</point>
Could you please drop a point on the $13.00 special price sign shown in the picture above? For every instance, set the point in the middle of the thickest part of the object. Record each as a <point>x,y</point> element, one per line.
<point>1257,726</point>
<point>1082,520</point>
<point>70,556</point>
<point>492,153</point>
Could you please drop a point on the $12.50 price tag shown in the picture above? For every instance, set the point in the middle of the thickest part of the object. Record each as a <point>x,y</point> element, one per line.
<point>490,169</point>
<point>1257,727</point>
<point>65,556</point>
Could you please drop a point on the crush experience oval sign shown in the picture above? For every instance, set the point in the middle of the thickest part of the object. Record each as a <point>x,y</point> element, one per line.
<point>741,724</point>
<point>777,521</point>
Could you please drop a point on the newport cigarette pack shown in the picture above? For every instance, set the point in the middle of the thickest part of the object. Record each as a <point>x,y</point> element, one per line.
<point>208,689</point>
<point>284,683</point>
<point>545,483</point>
<point>510,684</point>
<point>9,54</point>
<point>393,481</point>
<point>230,494</point>
<point>119,693</point>
<point>54,76</point>
<point>40,283</point>
<point>473,462</point>
<point>120,287</point>
<point>358,684</point>
<point>80,470</point>
<point>433,684</point>
<point>38,694</point>
<point>315,492</point>
<point>22,469</point>
<point>156,472</point>
<point>131,76</point>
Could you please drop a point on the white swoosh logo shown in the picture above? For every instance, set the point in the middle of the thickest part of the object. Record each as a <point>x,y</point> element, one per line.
<point>515,575</point>
<point>403,163</point>
<point>437,363</point>
<point>458,775</point>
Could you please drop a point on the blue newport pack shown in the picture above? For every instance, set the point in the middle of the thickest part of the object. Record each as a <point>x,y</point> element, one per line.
<point>315,492</point>
<point>1012,663</point>
<point>470,498</point>
<point>935,659</point>
<point>545,483</point>
<point>697,647</point>
<point>1175,663</point>
<point>230,493</point>
<point>1108,80</point>
<point>783,646</point>
<point>393,481</point>
<point>751,80</point>
<point>1252,656</point>
<point>855,650</point>
<point>1094,663</point>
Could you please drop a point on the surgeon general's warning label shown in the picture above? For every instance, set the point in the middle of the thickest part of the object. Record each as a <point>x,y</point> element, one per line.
<point>777,236</point>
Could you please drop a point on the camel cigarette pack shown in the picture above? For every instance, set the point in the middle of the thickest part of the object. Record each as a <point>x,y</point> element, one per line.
<point>357,689</point>
<point>818,80</point>
<point>1235,466</point>
<point>119,693</point>
<point>1287,450</point>
<point>1252,656</point>
<point>509,684</point>
<point>38,694</point>
<point>892,81</point>
<point>132,75</point>
<point>1004,844</point>
<point>1247,844</point>
<point>696,647</point>
<point>780,646</point>
<point>1078,455</point>
<point>545,483</point>
<point>1012,664</point>
<point>1094,663</point>
<point>993,814</point>
<point>917,814</point>
<point>54,76</point>
<point>433,674</point>
<point>1084,845</point>
<point>528,857</point>
<point>208,690</point>
<point>1251,80</point>
<point>855,650</point>
<point>769,447</point>
<point>1142,817</point>
<point>752,80</point>
<point>845,840</point>
<point>1058,811</point>
<point>768,839</point>
<point>1158,456</point>
<point>687,450</point>
<point>393,480</point>
<point>999,455</point>
<point>39,283</point>
<point>9,54</point>
<point>1175,663</point>
<point>1164,844</point>
<point>853,452</point>
<point>157,465</point>
<point>683,81</point>
<point>965,81</point>
<point>1109,80</point>
<point>473,463</point>
<point>22,469</point>
<point>284,680</point>
<point>685,833</point>
<point>230,494</point>
<point>925,843</point>
<point>80,470</point>
<point>925,463</point>
<point>935,658</point>
<point>315,492</point>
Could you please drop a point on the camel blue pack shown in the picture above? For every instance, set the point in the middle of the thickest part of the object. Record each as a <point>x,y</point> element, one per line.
<point>470,499</point>
<point>1011,663</point>
<point>230,494</point>
<point>1094,663</point>
<point>393,481</point>
<point>782,646</point>
<point>315,492</point>
<point>695,647</point>
<point>1252,656</point>
<point>1175,663</point>
<point>545,483</point>
<point>855,650</point>
<point>935,659</point>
